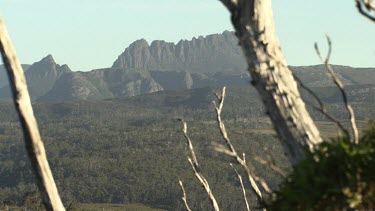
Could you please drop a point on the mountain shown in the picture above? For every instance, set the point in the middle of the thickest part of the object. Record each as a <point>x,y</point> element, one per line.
<point>212,61</point>
<point>102,84</point>
<point>4,76</point>
<point>213,53</point>
<point>41,77</point>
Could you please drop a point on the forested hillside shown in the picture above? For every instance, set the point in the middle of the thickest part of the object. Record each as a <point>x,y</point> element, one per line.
<point>132,150</point>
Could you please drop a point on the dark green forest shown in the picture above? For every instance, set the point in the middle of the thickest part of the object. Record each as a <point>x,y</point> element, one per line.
<point>133,151</point>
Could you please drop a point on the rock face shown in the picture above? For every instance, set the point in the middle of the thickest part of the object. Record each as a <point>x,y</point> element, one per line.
<point>211,61</point>
<point>102,84</point>
<point>41,77</point>
<point>72,86</point>
<point>173,80</point>
<point>214,53</point>
<point>130,82</point>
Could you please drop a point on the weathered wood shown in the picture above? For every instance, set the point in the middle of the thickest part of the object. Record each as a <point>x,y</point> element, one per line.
<point>195,166</point>
<point>34,144</point>
<point>231,151</point>
<point>253,23</point>
<point>366,8</point>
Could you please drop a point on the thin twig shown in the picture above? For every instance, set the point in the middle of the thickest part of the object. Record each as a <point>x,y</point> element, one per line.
<point>243,188</point>
<point>195,166</point>
<point>321,108</point>
<point>189,143</point>
<point>184,195</point>
<point>271,165</point>
<point>33,142</point>
<point>340,86</point>
<point>230,150</point>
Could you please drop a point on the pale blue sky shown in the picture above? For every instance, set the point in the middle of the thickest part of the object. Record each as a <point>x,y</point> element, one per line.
<point>88,34</point>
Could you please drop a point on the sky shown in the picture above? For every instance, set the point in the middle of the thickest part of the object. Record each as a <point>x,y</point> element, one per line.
<point>91,34</point>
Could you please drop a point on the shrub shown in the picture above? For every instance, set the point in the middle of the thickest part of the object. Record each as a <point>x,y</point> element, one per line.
<point>338,175</point>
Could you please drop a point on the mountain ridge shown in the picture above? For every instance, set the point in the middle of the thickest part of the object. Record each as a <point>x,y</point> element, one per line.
<point>213,53</point>
<point>212,61</point>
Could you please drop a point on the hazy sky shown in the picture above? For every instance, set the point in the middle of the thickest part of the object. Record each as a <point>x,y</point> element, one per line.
<point>88,34</point>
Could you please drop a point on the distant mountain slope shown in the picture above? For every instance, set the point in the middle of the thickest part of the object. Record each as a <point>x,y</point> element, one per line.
<point>212,61</point>
<point>4,76</point>
<point>102,84</point>
<point>41,77</point>
<point>72,86</point>
<point>317,75</point>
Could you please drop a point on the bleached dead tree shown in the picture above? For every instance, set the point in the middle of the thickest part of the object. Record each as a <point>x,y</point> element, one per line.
<point>33,142</point>
<point>242,187</point>
<point>229,150</point>
<point>366,8</point>
<point>184,197</point>
<point>254,28</point>
<point>340,86</point>
<point>196,168</point>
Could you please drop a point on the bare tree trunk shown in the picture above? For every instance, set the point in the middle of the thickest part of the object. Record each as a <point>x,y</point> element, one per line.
<point>34,144</point>
<point>253,23</point>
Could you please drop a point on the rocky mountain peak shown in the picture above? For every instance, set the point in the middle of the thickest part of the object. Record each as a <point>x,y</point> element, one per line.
<point>48,59</point>
<point>141,43</point>
<point>42,75</point>
<point>65,68</point>
<point>213,53</point>
<point>136,56</point>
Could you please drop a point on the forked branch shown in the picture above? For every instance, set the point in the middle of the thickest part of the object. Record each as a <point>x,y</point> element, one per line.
<point>195,166</point>
<point>340,86</point>
<point>33,142</point>
<point>231,151</point>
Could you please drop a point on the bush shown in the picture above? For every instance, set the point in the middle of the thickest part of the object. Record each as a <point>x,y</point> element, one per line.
<point>338,175</point>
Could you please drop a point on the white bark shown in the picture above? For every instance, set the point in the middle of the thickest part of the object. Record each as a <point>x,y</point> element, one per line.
<point>253,23</point>
<point>195,166</point>
<point>366,8</point>
<point>34,144</point>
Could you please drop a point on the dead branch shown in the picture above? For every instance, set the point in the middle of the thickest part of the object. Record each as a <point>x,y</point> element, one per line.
<point>184,195</point>
<point>189,143</point>
<point>366,8</point>
<point>271,165</point>
<point>340,86</point>
<point>253,23</point>
<point>322,109</point>
<point>231,151</point>
<point>195,166</point>
<point>205,184</point>
<point>243,188</point>
<point>33,142</point>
